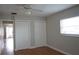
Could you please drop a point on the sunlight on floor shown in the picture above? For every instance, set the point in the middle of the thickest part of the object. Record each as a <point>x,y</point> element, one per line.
<point>9,44</point>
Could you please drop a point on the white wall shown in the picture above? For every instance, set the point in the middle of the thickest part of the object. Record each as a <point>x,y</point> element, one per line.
<point>55,39</point>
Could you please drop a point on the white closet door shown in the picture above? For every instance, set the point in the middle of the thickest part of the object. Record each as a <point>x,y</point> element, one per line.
<point>22,35</point>
<point>40,33</point>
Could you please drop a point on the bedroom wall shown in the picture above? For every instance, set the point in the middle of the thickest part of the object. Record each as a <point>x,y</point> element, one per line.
<point>67,44</point>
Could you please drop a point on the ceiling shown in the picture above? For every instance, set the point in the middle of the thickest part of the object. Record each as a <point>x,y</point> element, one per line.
<point>46,9</point>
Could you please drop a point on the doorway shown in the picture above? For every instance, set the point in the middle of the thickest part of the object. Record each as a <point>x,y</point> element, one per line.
<point>8,37</point>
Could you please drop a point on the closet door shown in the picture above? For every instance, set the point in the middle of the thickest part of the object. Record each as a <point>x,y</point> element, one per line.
<point>22,35</point>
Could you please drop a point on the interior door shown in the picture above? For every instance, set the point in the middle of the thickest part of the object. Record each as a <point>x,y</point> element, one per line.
<point>22,35</point>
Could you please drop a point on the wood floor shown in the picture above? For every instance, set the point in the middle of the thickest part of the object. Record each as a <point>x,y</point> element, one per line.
<point>38,51</point>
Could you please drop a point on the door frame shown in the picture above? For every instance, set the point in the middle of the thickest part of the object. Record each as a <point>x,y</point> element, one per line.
<point>8,22</point>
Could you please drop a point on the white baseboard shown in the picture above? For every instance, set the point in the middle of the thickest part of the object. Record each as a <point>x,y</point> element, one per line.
<point>31,47</point>
<point>58,50</point>
<point>35,46</point>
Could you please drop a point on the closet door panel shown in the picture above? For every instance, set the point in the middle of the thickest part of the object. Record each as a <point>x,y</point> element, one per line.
<point>22,35</point>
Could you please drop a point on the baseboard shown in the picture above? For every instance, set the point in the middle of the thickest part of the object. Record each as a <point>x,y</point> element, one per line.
<point>31,47</point>
<point>36,46</point>
<point>58,50</point>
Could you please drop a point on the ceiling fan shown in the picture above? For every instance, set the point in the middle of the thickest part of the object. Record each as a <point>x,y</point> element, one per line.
<point>29,8</point>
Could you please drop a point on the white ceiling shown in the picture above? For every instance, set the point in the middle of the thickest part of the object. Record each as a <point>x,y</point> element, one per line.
<point>47,9</point>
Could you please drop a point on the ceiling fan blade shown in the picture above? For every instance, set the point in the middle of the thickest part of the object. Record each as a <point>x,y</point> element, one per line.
<point>37,10</point>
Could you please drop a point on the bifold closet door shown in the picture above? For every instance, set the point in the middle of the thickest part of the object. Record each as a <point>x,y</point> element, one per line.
<point>22,35</point>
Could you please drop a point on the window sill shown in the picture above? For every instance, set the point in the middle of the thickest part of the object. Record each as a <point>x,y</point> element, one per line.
<point>71,35</point>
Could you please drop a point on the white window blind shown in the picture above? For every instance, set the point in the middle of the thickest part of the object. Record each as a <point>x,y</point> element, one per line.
<point>70,26</point>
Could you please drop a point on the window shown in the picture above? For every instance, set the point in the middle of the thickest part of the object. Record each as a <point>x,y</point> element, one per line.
<point>70,26</point>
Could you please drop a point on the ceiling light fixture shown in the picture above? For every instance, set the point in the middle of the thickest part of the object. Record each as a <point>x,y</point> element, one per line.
<point>28,12</point>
